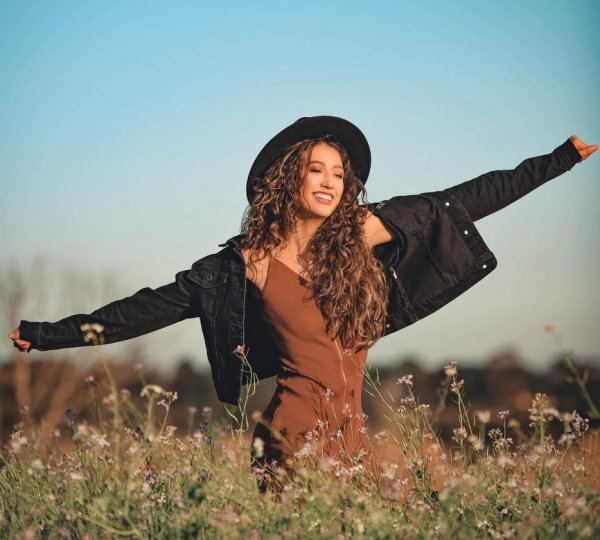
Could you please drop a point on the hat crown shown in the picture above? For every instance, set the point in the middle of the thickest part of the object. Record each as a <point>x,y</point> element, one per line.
<point>312,127</point>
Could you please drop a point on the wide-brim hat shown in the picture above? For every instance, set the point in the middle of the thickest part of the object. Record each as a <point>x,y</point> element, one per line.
<point>312,127</point>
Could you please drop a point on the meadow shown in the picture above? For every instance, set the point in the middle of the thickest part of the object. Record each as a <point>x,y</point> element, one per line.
<point>126,472</point>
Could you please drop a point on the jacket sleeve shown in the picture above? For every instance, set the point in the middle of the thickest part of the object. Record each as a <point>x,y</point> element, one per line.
<point>145,311</point>
<point>494,190</point>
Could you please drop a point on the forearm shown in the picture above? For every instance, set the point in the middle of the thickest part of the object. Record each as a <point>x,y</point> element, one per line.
<point>145,311</point>
<point>494,190</point>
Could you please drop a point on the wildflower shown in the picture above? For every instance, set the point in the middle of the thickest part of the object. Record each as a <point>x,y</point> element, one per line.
<point>192,410</point>
<point>18,441</point>
<point>91,331</point>
<point>406,379</point>
<point>138,434</point>
<point>308,449</point>
<point>311,435</point>
<point>514,423</point>
<point>336,435</point>
<point>167,398</point>
<point>322,425</point>
<point>574,427</point>
<point>541,411</point>
<point>70,417</point>
<point>240,351</point>
<point>151,388</point>
<point>168,436</point>
<point>409,400</point>
<point>328,394</point>
<point>110,399</point>
<point>450,369</point>
<point>259,447</point>
<point>203,427</point>
<point>381,435</point>
<point>503,414</point>
<point>483,524</point>
<point>206,411</point>
<point>483,416</point>
<point>476,442</point>
<point>90,382</point>
<point>100,440</point>
<point>460,433</point>
<point>347,410</point>
<point>455,386</point>
<point>77,476</point>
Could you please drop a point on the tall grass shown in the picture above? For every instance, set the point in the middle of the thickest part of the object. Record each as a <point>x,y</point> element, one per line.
<point>129,474</point>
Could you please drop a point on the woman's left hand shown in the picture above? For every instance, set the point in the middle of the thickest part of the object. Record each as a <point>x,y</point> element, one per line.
<point>583,149</point>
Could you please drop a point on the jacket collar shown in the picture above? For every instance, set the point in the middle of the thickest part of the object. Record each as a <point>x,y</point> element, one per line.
<point>234,242</point>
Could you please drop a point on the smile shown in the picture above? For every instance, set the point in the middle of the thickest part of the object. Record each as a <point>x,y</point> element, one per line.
<point>323,198</point>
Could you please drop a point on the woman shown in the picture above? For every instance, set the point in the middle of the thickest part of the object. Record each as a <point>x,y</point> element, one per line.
<point>316,277</point>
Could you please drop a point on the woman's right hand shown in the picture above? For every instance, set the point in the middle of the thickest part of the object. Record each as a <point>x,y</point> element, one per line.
<point>20,344</point>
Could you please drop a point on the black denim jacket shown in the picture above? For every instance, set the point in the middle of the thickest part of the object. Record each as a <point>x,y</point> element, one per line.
<point>436,255</point>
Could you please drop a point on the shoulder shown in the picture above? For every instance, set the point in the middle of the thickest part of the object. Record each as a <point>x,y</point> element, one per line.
<point>375,231</point>
<point>256,271</point>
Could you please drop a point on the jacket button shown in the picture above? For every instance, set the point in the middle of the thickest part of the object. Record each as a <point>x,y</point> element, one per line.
<point>485,266</point>
<point>447,203</point>
<point>387,325</point>
<point>466,232</point>
<point>209,276</point>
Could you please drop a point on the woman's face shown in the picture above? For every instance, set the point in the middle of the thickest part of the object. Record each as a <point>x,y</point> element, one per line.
<point>323,185</point>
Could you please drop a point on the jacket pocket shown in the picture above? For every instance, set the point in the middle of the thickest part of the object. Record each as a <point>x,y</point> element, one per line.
<point>206,275</point>
<point>210,281</point>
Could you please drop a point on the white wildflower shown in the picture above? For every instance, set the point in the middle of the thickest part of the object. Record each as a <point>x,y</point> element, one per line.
<point>259,446</point>
<point>152,388</point>
<point>450,369</point>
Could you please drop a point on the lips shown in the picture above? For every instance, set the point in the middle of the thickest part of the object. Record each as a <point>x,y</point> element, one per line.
<point>323,198</point>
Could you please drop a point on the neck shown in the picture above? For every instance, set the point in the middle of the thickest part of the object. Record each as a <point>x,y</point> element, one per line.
<point>305,230</point>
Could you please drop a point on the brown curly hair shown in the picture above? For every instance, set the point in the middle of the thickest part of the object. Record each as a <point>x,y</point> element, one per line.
<point>348,281</point>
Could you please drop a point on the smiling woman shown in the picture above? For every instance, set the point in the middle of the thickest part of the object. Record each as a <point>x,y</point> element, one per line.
<point>316,277</point>
<point>323,182</point>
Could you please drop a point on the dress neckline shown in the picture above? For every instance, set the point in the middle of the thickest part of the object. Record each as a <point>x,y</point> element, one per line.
<point>290,269</point>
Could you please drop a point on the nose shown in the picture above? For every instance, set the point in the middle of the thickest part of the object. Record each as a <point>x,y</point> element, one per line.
<point>327,180</point>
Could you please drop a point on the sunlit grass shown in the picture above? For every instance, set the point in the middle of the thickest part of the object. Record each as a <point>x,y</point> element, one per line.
<point>130,473</point>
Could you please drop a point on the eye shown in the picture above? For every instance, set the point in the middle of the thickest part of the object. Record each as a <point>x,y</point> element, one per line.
<point>340,176</point>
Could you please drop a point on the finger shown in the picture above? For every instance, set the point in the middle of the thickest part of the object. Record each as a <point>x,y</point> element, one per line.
<point>577,142</point>
<point>23,346</point>
<point>588,150</point>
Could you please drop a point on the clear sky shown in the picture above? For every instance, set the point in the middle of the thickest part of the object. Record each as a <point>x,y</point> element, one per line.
<point>127,130</point>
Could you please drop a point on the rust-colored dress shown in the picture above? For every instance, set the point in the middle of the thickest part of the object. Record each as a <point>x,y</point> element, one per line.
<point>316,410</point>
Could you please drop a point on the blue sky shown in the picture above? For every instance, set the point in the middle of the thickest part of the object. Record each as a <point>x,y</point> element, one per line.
<point>127,130</point>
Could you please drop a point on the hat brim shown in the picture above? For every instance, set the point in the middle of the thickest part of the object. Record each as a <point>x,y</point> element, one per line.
<point>312,127</point>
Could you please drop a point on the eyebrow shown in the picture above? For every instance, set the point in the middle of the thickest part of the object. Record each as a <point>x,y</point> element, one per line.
<point>316,161</point>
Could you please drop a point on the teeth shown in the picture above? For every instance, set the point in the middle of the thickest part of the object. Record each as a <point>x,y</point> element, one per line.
<point>323,196</point>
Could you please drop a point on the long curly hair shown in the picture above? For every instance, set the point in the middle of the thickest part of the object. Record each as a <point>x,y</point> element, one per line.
<point>348,281</point>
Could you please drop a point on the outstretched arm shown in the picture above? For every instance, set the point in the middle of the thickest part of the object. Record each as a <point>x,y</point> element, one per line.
<point>145,311</point>
<point>494,190</point>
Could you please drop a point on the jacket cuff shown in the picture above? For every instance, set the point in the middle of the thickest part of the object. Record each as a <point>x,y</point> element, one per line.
<point>30,331</point>
<point>567,154</point>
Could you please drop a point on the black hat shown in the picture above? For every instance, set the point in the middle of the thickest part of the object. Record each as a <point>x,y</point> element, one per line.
<point>312,127</point>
